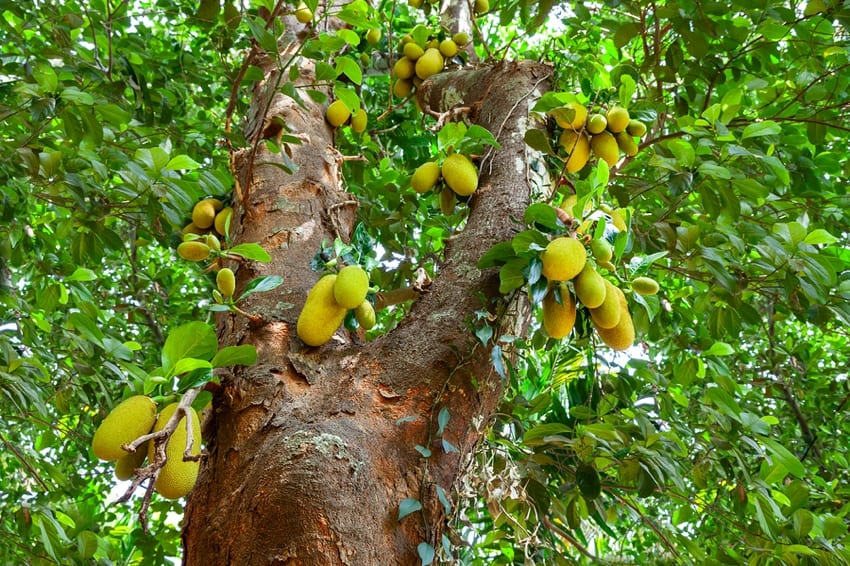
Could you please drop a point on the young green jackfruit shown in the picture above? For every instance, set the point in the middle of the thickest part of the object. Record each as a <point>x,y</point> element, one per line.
<point>321,315</point>
<point>129,420</point>
<point>337,113</point>
<point>605,147</point>
<point>622,335</point>
<point>126,465</point>
<point>177,478</point>
<point>429,64</point>
<point>222,220</point>
<point>203,213</point>
<point>607,315</point>
<point>447,201</point>
<point>618,119</point>
<point>460,174</point>
<point>403,68</point>
<point>577,147</point>
<point>303,13</point>
<point>627,143</point>
<point>425,177</point>
<point>193,250</point>
<point>225,280</point>
<point>636,128</point>
<point>601,250</point>
<point>559,318</point>
<point>351,286</point>
<point>563,259</point>
<point>590,287</point>
<point>645,285</point>
<point>359,120</point>
<point>365,315</point>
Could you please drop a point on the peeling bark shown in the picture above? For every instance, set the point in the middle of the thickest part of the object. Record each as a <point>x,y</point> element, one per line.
<point>307,459</point>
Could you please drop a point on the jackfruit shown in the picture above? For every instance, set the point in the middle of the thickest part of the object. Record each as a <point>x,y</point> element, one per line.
<point>571,116</point>
<point>460,174</point>
<point>337,113</point>
<point>645,285</point>
<point>177,478</point>
<point>373,36</point>
<point>482,6</point>
<point>605,147</point>
<point>222,220</point>
<point>321,315</point>
<point>636,128</point>
<point>618,119</point>
<point>563,259</point>
<point>447,201</point>
<point>130,419</point>
<point>425,177</point>
<point>460,38</point>
<point>602,250</point>
<point>190,228</point>
<point>403,68</point>
<point>412,51</point>
<point>212,241</point>
<point>448,48</point>
<point>429,64</point>
<point>596,123</point>
<point>607,315</point>
<point>627,144</point>
<point>365,315</point>
<point>193,251</point>
<point>351,286</point>
<point>402,88</point>
<point>577,147</point>
<point>303,13</point>
<point>127,464</point>
<point>203,213</point>
<point>359,120</point>
<point>559,318</point>
<point>622,335</point>
<point>225,280</point>
<point>590,287</point>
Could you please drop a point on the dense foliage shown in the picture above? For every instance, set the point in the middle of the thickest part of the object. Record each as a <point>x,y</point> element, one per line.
<point>719,438</point>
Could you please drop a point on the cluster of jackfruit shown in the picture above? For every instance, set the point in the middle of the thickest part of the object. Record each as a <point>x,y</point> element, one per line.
<point>422,59</point>
<point>210,222</point>
<point>338,114</point>
<point>574,280</point>
<point>457,176</point>
<point>328,302</point>
<point>135,417</point>
<point>604,135</point>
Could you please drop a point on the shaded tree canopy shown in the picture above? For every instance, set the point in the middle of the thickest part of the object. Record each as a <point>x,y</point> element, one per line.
<point>717,438</point>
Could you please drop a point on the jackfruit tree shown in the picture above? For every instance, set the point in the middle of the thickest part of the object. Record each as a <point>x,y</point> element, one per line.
<point>418,282</point>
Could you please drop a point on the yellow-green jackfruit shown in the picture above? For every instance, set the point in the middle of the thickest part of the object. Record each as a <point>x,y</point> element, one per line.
<point>622,335</point>
<point>460,174</point>
<point>607,315</point>
<point>130,419</point>
<point>559,318</point>
<point>177,478</point>
<point>351,286</point>
<point>365,315</point>
<point>321,315</point>
<point>126,465</point>
<point>563,259</point>
<point>590,287</point>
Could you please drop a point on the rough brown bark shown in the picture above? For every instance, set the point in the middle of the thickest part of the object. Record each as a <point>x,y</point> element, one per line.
<point>307,459</point>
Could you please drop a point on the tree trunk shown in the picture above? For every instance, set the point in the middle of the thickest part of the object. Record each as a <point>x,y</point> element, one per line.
<point>310,452</point>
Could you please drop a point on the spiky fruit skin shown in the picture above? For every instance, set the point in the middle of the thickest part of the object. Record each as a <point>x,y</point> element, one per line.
<point>559,318</point>
<point>618,119</point>
<point>303,13</point>
<point>627,143</point>
<point>203,214</point>
<point>412,50</point>
<point>321,315</point>
<point>193,251</point>
<point>337,113</point>
<point>590,287</point>
<point>365,315</point>
<point>622,335</point>
<point>127,464</point>
<point>429,64</point>
<point>351,286</point>
<point>577,147</point>
<point>225,280</point>
<point>482,6</point>
<point>460,174</point>
<point>563,259</point>
<point>571,116</point>
<point>130,419</point>
<point>607,315</point>
<point>222,219</point>
<point>605,147</point>
<point>177,478</point>
<point>425,177</point>
<point>645,286</point>
<point>403,68</point>
<point>359,120</point>
<point>596,123</point>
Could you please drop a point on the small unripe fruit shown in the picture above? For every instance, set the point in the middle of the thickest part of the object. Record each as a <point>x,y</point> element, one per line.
<point>127,464</point>
<point>402,88</point>
<point>577,147</point>
<point>460,39</point>
<point>365,315</point>
<point>590,287</point>
<point>321,315</point>
<point>602,250</point>
<point>225,280</point>
<point>222,219</point>
<point>203,214</point>
<point>412,51</point>
<point>559,318</point>
<point>359,120</point>
<point>193,251</point>
<point>636,128</point>
<point>303,13</point>
<point>627,144</point>
<point>448,48</point>
<point>622,335</point>
<point>373,36</point>
<point>618,119</point>
<point>177,478</point>
<point>213,242</point>
<point>644,286</point>
<point>571,116</point>
<point>337,113</point>
<point>403,68</point>
<point>460,174</point>
<point>190,228</point>
<point>447,201</point>
<point>482,6</point>
<point>429,64</point>
<point>563,259</point>
<point>351,286</point>
<point>607,315</point>
<point>130,419</point>
<point>425,177</point>
<point>605,147</point>
<point>596,123</point>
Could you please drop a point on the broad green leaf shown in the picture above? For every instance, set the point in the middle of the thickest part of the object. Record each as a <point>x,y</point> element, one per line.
<point>757,129</point>
<point>182,162</point>
<point>819,236</point>
<point>426,553</point>
<point>537,434</point>
<point>408,506</point>
<point>784,456</point>
<point>720,349</point>
<point>185,365</point>
<point>251,251</point>
<point>244,355</point>
<point>191,340</point>
<point>82,274</point>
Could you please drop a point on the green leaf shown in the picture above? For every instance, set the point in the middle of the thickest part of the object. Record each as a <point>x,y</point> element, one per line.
<point>537,434</point>
<point>784,457</point>
<point>765,128</point>
<point>725,402</point>
<point>191,340</point>
<point>426,553</point>
<point>511,276</point>
<point>529,240</point>
<point>497,255</point>
<point>262,284</point>
<point>251,251</point>
<point>86,327</point>
<point>179,162</point>
<point>720,349</point>
<point>348,67</point>
<point>538,140</point>
<point>244,355</point>
<point>442,420</point>
<point>544,215</point>
<point>408,506</point>
<point>185,365</point>
<point>82,274</point>
<point>819,236</point>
